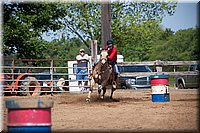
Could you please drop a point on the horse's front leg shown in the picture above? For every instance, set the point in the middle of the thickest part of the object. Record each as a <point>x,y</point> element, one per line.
<point>103,84</point>
<point>92,85</point>
<point>100,88</point>
<point>89,96</point>
<point>99,93</point>
<point>104,91</point>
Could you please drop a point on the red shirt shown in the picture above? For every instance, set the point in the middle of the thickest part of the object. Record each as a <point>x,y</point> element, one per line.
<point>112,54</point>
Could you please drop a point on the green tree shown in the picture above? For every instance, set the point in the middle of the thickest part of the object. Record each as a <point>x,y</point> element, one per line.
<point>137,42</point>
<point>161,39</point>
<point>183,45</point>
<point>64,49</point>
<point>23,26</point>
<point>83,20</point>
<point>133,25</point>
<point>136,26</point>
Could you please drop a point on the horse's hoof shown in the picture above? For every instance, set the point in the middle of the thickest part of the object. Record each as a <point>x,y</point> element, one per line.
<point>100,87</point>
<point>101,97</point>
<point>87,100</point>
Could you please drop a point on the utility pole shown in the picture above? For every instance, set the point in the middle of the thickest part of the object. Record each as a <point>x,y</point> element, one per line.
<point>105,22</point>
<point>94,50</point>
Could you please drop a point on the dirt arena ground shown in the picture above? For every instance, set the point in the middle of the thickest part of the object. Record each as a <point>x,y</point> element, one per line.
<point>131,110</point>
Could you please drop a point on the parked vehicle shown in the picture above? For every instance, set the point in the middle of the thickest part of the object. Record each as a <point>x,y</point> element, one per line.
<point>189,79</point>
<point>130,77</point>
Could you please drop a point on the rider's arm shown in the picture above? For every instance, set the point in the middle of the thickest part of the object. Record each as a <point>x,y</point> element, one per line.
<point>111,56</point>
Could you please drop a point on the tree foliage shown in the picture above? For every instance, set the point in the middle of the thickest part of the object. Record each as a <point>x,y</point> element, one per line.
<point>136,30</point>
<point>63,49</point>
<point>183,45</point>
<point>84,19</point>
<point>136,25</point>
<point>23,25</point>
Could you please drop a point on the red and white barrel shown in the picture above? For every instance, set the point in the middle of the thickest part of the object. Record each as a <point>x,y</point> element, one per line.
<point>32,115</point>
<point>160,88</point>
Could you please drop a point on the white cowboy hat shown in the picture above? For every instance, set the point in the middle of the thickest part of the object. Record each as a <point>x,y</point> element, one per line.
<point>82,50</point>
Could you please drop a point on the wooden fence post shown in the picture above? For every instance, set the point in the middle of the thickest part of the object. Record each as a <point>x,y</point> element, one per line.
<point>13,78</point>
<point>105,22</point>
<point>51,72</point>
<point>158,65</point>
<point>94,50</point>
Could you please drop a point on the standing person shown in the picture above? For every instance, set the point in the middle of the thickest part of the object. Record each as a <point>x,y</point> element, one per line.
<point>82,68</point>
<point>112,56</point>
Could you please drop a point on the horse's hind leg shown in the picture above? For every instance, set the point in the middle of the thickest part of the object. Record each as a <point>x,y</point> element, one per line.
<point>111,93</point>
<point>112,90</point>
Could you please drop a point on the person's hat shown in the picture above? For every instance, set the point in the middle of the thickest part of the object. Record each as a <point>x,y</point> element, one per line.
<point>82,50</point>
<point>109,43</point>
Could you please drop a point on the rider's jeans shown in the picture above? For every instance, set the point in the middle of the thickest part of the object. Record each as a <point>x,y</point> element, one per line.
<point>116,68</point>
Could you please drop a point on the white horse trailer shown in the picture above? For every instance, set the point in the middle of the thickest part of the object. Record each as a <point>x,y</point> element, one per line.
<point>72,66</point>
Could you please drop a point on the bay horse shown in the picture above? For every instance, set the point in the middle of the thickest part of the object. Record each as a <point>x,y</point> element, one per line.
<point>102,75</point>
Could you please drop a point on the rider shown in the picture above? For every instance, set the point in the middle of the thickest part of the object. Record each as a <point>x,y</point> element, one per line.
<point>112,56</point>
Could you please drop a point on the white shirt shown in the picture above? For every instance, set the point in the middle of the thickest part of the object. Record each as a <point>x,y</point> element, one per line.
<point>85,57</point>
<point>82,61</point>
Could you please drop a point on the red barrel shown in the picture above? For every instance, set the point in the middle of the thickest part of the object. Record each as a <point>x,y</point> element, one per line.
<point>159,81</point>
<point>160,88</point>
<point>32,115</point>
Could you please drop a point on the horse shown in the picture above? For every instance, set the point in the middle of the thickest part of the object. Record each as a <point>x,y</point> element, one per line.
<point>102,75</point>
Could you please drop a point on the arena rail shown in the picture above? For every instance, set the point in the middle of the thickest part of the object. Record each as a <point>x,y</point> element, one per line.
<point>13,68</point>
<point>16,71</point>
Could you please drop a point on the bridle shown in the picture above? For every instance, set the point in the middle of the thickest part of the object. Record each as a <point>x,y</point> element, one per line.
<point>101,65</point>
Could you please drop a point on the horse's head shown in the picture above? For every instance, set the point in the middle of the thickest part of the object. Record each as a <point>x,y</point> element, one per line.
<point>101,66</point>
<point>104,56</point>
